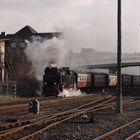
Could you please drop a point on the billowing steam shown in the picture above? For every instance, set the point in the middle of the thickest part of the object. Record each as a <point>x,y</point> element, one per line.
<point>70,92</point>
<point>45,53</point>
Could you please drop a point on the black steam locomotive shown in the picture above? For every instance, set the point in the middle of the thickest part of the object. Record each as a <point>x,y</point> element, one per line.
<point>56,79</point>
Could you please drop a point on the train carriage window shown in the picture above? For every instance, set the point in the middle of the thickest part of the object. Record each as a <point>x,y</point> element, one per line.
<point>95,78</point>
<point>81,79</point>
<point>86,78</point>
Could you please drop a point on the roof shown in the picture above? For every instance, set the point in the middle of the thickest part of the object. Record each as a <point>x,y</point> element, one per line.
<point>25,32</point>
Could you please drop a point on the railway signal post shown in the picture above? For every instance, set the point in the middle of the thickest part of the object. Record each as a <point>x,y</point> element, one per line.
<point>34,106</point>
<point>119,105</point>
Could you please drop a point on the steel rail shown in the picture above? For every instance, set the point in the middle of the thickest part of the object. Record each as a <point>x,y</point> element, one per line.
<point>110,105</point>
<point>13,131</point>
<point>32,136</point>
<point>56,114</point>
<point>58,122</point>
<point>45,120</point>
<point>102,137</point>
<point>24,100</point>
<point>85,112</point>
<point>50,104</point>
<point>134,136</point>
<point>2,127</point>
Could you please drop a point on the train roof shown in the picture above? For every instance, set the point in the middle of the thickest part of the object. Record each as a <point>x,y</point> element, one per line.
<point>87,72</point>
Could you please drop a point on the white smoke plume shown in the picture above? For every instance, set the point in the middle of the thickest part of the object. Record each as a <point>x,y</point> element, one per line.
<point>44,53</point>
<point>70,92</point>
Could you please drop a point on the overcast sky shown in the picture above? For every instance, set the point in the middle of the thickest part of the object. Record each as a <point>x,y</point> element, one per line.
<point>85,23</point>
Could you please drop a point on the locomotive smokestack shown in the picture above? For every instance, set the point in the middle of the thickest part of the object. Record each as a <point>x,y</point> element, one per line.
<point>52,65</point>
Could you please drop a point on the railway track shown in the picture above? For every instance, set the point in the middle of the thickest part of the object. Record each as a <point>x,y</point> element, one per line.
<point>49,104</point>
<point>2,127</point>
<point>57,118</point>
<point>48,119</point>
<point>114,133</point>
<point>135,135</point>
<point>16,101</point>
<point>87,110</point>
<point>22,104</point>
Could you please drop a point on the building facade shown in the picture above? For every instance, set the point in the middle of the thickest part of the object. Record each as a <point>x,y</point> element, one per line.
<point>2,61</point>
<point>13,62</point>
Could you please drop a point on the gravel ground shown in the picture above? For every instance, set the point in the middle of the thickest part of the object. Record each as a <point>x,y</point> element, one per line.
<point>79,129</point>
<point>105,121</point>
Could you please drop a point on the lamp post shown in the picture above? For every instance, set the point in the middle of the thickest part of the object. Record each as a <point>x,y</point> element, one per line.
<point>119,106</point>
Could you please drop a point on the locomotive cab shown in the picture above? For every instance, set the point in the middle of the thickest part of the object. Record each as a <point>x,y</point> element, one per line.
<point>68,78</point>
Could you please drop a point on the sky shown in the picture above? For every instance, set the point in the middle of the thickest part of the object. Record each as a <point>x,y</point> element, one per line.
<point>84,23</point>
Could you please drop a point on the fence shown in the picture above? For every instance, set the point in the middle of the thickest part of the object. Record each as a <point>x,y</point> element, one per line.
<point>21,88</point>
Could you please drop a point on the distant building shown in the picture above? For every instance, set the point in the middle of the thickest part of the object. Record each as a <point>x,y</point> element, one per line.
<point>87,53</point>
<point>12,55</point>
<point>2,61</point>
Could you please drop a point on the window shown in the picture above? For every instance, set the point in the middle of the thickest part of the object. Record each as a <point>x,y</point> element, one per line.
<point>13,45</point>
<point>22,45</point>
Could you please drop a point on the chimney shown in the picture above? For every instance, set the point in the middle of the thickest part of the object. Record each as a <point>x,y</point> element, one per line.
<point>2,34</point>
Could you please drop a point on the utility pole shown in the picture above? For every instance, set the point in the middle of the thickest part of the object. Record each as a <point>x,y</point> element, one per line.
<point>119,105</point>
<point>139,46</point>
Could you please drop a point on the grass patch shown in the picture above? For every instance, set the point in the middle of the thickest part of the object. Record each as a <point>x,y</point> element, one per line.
<point>124,113</point>
<point>7,98</point>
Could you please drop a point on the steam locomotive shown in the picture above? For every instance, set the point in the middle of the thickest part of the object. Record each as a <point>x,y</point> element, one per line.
<point>56,79</point>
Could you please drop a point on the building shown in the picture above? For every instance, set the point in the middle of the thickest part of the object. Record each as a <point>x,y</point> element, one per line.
<point>13,62</point>
<point>2,62</point>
